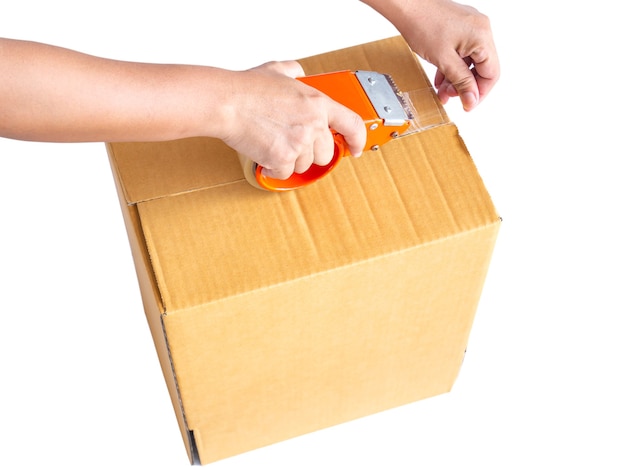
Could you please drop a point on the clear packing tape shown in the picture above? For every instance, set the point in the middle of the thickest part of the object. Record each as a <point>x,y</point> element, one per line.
<point>427,113</point>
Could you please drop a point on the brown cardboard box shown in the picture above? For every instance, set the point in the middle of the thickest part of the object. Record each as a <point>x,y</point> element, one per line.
<point>278,314</point>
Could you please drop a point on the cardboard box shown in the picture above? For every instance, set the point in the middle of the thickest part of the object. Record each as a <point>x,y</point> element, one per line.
<point>278,314</point>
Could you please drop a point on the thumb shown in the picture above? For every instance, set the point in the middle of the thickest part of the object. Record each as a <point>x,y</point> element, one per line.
<point>461,80</point>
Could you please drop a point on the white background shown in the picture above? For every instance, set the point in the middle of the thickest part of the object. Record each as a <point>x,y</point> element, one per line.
<point>542,384</point>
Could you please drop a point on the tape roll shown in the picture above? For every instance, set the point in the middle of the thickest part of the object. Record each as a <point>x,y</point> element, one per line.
<point>249,168</point>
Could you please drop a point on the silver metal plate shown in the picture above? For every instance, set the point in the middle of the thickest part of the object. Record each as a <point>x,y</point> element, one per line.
<point>384,96</point>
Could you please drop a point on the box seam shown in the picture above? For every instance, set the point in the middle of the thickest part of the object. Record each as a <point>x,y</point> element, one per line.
<point>242,179</point>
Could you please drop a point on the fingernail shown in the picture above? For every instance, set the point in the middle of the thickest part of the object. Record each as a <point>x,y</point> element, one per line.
<point>469,100</point>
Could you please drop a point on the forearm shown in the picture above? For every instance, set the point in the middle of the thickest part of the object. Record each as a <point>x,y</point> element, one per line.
<point>57,95</point>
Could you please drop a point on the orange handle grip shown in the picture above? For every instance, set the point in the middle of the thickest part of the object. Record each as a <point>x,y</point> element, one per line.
<point>314,173</point>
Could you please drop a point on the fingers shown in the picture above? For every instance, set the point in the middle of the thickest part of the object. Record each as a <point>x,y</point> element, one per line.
<point>340,118</point>
<point>350,125</point>
<point>458,81</point>
<point>472,70</point>
<point>472,83</point>
<point>315,144</point>
<point>486,73</point>
<point>320,152</point>
<point>282,173</point>
<point>288,126</point>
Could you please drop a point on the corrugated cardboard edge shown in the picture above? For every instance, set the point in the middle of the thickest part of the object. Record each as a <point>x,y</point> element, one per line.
<point>152,303</point>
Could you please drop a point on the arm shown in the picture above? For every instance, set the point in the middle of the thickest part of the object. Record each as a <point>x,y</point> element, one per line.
<point>456,38</point>
<point>53,94</point>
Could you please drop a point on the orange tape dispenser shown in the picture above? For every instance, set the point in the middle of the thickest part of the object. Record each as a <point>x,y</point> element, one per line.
<point>374,96</point>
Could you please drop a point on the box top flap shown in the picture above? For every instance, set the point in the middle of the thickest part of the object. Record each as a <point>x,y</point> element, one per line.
<point>211,235</point>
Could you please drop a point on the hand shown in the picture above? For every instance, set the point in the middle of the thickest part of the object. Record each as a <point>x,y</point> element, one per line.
<point>456,38</point>
<point>284,125</point>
